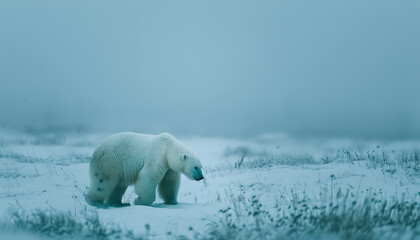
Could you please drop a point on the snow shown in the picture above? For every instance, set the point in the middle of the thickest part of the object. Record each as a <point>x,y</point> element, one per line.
<point>38,175</point>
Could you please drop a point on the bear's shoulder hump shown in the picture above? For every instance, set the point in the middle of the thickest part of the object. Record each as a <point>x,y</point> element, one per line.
<point>166,136</point>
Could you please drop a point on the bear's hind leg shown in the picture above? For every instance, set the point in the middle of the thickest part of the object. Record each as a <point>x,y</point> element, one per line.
<point>116,196</point>
<point>169,186</point>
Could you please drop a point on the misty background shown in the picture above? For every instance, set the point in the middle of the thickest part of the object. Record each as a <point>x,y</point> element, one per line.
<point>212,68</point>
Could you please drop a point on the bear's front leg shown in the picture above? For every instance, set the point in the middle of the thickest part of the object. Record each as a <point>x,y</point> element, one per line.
<point>145,188</point>
<point>169,186</point>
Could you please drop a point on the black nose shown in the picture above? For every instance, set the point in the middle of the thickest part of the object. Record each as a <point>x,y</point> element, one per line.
<point>195,167</point>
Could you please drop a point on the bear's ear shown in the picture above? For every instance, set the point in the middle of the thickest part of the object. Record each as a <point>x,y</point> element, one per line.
<point>184,157</point>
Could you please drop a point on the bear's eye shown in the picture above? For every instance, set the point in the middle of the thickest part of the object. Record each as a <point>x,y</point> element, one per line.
<point>184,157</point>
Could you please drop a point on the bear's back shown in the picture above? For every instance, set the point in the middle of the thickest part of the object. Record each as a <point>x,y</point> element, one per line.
<point>122,154</point>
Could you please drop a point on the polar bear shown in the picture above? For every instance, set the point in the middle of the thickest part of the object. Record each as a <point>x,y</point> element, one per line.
<point>147,161</point>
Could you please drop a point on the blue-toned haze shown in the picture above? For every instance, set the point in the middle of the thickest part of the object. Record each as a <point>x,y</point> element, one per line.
<point>225,68</point>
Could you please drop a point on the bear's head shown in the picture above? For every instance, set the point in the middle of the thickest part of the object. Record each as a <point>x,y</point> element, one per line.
<point>191,166</point>
<point>187,163</point>
<point>181,159</point>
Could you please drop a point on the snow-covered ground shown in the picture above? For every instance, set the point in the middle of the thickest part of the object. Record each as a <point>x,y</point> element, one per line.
<point>50,173</point>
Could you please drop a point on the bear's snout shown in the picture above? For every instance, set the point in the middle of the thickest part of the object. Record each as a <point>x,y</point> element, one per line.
<point>197,174</point>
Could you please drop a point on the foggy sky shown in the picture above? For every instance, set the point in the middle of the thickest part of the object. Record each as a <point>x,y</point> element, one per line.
<point>215,68</point>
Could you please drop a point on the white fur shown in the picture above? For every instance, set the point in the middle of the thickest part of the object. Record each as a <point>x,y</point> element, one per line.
<point>147,161</point>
